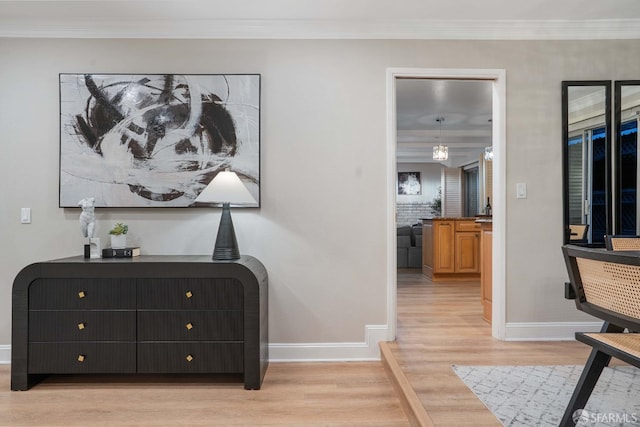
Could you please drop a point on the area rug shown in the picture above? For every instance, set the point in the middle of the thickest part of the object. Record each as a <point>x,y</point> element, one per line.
<point>536,396</point>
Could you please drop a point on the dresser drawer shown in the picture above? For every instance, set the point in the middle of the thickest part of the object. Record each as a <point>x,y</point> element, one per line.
<point>54,326</point>
<point>82,294</point>
<point>82,358</point>
<point>195,325</point>
<point>190,294</point>
<point>467,226</point>
<point>190,357</point>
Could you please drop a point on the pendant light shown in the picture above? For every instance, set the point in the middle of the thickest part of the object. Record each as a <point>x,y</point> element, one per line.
<point>488,153</point>
<point>440,151</point>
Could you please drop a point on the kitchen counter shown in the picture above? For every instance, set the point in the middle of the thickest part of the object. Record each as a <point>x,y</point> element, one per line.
<point>484,219</point>
<point>447,218</point>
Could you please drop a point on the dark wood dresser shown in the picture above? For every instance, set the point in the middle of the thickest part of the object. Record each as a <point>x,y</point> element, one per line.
<point>147,314</point>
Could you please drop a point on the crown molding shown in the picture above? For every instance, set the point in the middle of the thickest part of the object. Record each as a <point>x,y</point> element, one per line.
<point>607,29</point>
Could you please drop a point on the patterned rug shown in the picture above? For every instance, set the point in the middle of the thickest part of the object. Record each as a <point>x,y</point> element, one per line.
<point>536,396</point>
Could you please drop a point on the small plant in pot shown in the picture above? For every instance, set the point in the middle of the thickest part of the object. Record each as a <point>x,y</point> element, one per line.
<point>119,235</point>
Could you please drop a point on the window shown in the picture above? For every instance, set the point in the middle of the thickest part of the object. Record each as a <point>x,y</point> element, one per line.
<point>471,192</point>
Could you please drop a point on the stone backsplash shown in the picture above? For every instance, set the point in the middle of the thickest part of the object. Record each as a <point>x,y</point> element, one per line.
<point>411,213</point>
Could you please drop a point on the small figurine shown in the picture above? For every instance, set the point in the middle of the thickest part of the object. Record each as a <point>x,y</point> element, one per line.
<point>87,217</point>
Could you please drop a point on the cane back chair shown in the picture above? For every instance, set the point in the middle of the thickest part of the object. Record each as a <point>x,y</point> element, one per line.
<point>607,286</point>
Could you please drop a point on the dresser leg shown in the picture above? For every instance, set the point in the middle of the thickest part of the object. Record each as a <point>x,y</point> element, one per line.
<point>23,382</point>
<point>19,382</point>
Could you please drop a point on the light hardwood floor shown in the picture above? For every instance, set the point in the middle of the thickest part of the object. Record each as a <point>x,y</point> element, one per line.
<point>440,325</point>
<point>293,394</point>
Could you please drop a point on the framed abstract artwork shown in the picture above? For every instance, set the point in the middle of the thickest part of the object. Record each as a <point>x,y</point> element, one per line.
<point>156,140</point>
<point>409,184</point>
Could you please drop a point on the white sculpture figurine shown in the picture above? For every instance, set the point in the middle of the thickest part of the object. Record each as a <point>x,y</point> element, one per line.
<point>87,217</point>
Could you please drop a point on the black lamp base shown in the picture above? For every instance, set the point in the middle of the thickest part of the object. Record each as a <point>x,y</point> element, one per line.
<point>226,248</point>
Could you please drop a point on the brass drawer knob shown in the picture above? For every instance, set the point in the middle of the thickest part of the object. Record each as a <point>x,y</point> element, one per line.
<point>189,358</point>
<point>188,294</point>
<point>81,325</point>
<point>81,358</point>
<point>189,326</point>
<point>81,294</point>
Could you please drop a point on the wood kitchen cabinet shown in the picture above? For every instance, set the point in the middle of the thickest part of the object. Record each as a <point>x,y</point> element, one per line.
<point>427,247</point>
<point>443,247</point>
<point>456,249</point>
<point>467,252</point>
<point>486,279</point>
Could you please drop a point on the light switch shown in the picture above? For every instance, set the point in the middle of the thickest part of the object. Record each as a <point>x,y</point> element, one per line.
<point>521,190</point>
<point>25,215</point>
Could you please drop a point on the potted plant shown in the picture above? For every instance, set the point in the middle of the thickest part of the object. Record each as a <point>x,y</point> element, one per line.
<point>436,204</point>
<point>119,235</point>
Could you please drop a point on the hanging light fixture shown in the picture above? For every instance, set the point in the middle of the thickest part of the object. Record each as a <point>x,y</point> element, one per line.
<point>440,151</point>
<point>488,153</point>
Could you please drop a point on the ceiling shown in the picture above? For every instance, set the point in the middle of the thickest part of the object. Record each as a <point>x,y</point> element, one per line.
<point>452,19</point>
<point>325,9</point>
<point>466,107</point>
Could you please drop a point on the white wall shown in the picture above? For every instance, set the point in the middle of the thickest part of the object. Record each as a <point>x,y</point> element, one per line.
<point>321,229</point>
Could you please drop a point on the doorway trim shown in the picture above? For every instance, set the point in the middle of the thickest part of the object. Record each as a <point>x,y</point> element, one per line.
<point>498,79</point>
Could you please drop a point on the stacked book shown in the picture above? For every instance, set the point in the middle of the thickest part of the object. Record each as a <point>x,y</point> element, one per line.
<point>121,252</point>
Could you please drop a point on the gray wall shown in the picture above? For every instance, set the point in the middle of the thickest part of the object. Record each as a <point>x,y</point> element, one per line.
<point>321,230</point>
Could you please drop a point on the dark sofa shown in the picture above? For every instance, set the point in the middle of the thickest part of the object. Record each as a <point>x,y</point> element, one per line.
<point>409,246</point>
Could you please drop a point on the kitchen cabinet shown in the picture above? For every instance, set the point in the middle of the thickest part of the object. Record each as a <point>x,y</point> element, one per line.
<point>486,276</point>
<point>456,249</point>
<point>427,247</point>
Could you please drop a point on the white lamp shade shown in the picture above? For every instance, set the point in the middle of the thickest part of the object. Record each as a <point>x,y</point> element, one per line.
<point>226,187</point>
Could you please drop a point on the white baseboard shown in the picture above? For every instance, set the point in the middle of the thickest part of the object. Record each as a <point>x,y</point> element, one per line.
<point>5,354</point>
<point>548,331</point>
<point>369,350</point>
<point>332,352</point>
<point>306,352</point>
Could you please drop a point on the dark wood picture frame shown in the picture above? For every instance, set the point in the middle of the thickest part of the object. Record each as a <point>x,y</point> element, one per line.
<point>409,184</point>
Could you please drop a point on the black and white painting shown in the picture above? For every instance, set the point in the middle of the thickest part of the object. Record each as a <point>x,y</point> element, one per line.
<point>409,183</point>
<point>156,140</point>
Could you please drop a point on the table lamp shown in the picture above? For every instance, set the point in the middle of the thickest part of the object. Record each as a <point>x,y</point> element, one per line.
<point>226,188</point>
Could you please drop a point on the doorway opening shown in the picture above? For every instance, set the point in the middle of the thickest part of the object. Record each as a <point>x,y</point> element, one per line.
<point>473,198</point>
